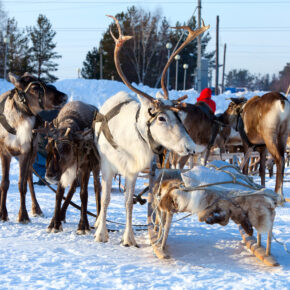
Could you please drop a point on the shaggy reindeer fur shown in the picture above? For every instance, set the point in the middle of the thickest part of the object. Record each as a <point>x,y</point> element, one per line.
<point>254,210</point>
<point>71,155</point>
<point>133,153</point>
<point>266,122</point>
<point>21,106</point>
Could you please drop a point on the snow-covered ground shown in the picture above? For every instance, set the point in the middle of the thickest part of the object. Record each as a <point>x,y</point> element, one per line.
<point>202,256</point>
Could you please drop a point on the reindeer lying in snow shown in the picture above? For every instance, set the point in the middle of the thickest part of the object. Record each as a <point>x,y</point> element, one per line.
<point>18,116</point>
<point>71,156</point>
<point>211,205</point>
<point>129,133</point>
<point>263,122</point>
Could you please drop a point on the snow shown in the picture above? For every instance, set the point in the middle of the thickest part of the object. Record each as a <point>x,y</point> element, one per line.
<point>202,256</point>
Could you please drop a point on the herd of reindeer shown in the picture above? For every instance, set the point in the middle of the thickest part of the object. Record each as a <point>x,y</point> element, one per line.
<point>123,137</point>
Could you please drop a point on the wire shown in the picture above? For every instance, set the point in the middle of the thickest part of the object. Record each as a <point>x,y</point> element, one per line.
<point>142,2</point>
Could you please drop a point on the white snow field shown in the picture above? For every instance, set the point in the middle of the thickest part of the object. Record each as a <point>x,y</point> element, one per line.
<point>202,256</point>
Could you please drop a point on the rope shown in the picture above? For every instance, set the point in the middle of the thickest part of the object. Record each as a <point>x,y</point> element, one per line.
<point>281,243</point>
<point>77,206</point>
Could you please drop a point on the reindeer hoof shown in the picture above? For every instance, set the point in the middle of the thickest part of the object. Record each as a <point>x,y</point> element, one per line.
<point>34,214</point>
<point>54,230</point>
<point>129,241</point>
<point>23,217</point>
<point>101,237</point>
<point>36,211</point>
<point>83,232</point>
<point>4,219</point>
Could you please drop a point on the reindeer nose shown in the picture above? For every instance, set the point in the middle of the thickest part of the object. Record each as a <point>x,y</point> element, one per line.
<point>190,151</point>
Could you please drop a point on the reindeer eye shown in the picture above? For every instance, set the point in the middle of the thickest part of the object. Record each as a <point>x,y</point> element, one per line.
<point>161,119</point>
<point>65,148</point>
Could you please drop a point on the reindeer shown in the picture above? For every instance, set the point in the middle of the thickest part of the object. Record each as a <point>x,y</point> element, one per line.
<point>128,133</point>
<point>19,110</point>
<point>264,123</point>
<point>200,123</point>
<point>202,127</point>
<point>71,157</point>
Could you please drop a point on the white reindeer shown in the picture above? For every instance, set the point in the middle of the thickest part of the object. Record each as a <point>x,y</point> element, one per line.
<point>130,133</point>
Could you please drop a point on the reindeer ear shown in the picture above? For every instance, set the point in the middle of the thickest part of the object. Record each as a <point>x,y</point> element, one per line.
<point>14,79</point>
<point>145,103</point>
<point>27,74</point>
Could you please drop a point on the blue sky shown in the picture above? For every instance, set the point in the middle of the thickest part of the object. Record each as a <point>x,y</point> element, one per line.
<point>257,33</point>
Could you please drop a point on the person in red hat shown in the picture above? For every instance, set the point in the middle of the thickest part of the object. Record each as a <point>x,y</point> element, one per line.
<point>205,96</point>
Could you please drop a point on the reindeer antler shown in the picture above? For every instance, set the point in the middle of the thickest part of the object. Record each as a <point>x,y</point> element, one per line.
<point>119,43</point>
<point>192,34</point>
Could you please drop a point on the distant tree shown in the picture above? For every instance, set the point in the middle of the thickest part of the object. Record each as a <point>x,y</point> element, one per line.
<point>240,78</point>
<point>19,57</point>
<point>42,49</point>
<point>282,83</point>
<point>91,66</point>
<point>144,57</point>
<point>262,82</point>
<point>3,21</point>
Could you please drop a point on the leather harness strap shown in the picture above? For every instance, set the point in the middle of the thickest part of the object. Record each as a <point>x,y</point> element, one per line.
<point>24,109</point>
<point>3,119</point>
<point>104,119</point>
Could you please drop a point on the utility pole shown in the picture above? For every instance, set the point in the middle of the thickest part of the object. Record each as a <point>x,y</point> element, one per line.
<point>199,47</point>
<point>217,57</point>
<point>224,66</point>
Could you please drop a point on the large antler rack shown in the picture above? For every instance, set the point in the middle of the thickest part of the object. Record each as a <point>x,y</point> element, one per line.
<point>119,42</point>
<point>192,34</point>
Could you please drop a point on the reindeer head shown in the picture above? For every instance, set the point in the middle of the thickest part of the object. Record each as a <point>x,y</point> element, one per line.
<point>37,94</point>
<point>62,150</point>
<point>158,118</point>
<point>235,108</point>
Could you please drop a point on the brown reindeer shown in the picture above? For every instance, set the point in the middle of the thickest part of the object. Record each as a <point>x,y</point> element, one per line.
<point>18,116</point>
<point>202,127</point>
<point>198,119</point>
<point>264,123</point>
<point>71,157</point>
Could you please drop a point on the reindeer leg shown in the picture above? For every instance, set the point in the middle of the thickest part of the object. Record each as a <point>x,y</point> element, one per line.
<point>262,169</point>
<point>128,237</point>
<point>161,218</point>
<point>84,227</point>
<point>97,188</point>
<point>169,216</point>
<point>101,234</point>
<point>5,162</point>
<point>258,239</point>
<point>24,164</point>
<point>68,199</point>
<point>278,154</point>
<point>55,224</point>
<point>35,208</point>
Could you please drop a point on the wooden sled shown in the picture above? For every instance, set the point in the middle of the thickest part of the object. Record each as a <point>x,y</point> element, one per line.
<point>159,225</point>
<point>254,245</point>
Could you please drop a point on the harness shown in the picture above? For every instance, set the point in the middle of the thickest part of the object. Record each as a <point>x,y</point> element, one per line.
<point>22,99</point>
<point>104,128</point>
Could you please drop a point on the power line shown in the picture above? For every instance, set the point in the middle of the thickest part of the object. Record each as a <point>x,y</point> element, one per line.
<point>142,2</point>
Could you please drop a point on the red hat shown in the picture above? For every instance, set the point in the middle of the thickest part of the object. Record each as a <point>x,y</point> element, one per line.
<point>205,96</point>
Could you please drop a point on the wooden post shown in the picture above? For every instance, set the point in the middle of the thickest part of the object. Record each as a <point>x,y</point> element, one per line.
<point>217,57</point>
<point>224,65</point>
